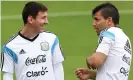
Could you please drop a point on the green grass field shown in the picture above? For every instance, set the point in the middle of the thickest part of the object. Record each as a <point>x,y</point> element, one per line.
<point>72,22</point>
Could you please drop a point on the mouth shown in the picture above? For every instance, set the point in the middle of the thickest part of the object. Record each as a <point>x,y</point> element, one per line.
<point>96,29</point>
<point>42,26</point>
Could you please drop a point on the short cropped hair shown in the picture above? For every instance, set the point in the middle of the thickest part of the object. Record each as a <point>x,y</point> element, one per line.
<point>108,10</point>
<point>32,8</point>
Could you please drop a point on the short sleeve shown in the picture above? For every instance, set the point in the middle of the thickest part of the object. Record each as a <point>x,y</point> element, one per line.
<point>57,54</point>
<point>9,58</point>
<point>106,41</point>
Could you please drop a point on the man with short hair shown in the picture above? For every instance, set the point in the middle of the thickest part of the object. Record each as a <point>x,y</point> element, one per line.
<point>113,55</point>
<point>33,54</point>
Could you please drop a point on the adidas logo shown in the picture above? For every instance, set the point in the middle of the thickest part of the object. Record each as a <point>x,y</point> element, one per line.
<point>22,52</point>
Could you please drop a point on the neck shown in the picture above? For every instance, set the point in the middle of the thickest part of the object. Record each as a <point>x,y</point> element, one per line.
<point>28,31</point>
<point>112,25</point>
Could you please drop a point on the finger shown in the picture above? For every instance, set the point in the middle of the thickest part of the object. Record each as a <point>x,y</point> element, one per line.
<point>79,69</point>
<point>82,77</point>
<point>78,72</point>
<point>79,75</point>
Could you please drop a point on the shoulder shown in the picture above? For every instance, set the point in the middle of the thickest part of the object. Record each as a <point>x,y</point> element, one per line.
<point>48,34</point>
<point>10,43</point>
<point>109,33</point>
<point>115,30</point>
<point>11,39</point>
<point>118,32</point>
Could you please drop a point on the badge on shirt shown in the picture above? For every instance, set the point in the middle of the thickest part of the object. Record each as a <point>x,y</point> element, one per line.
<point>44,46</point>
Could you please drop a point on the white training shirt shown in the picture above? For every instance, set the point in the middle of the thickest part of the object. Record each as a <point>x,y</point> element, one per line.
<point>114,43</point>
<point>32,59</point>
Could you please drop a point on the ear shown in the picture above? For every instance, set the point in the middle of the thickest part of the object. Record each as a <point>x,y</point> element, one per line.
<point>109,21</point>
<point>30,19</point>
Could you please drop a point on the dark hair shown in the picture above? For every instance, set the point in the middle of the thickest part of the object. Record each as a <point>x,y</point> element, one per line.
<point>108,10</point>
<point>32,8</point>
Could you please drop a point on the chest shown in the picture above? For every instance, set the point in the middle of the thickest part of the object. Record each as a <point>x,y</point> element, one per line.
<point>31,53</point>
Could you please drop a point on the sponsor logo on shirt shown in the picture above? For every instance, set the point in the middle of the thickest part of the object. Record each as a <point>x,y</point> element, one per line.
<point>126,59</point>
<point>37,60</point>
<point>127,47</point>
<point>37,73</point>
<point>124,71</point>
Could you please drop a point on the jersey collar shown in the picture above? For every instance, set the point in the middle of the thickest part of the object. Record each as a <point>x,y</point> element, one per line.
<point>28,38</point>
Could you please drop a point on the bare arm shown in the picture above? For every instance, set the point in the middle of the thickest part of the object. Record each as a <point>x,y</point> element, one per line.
<point>102,51</point>
<point>85,74</point>
<point>92,74</point>
<point>96,60</point>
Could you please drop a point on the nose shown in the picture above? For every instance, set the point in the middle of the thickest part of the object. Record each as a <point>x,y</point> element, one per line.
<point>94,23</point>
<point>46,21</point>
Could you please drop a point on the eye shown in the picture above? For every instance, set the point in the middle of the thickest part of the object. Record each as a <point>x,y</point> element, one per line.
<point>43,17</point>
<point>96,19</point>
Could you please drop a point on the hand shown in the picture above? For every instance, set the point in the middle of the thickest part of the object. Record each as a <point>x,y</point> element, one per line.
<point>82,73</point>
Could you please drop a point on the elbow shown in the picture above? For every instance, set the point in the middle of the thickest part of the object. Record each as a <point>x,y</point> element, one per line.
<point>97,63</point>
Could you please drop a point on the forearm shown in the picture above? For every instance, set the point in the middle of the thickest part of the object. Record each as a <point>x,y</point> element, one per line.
<point>59,72</point>
<point>7,76</point>
<point>92,74</point>
<point>96,60</point>
<point>90,62</point>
